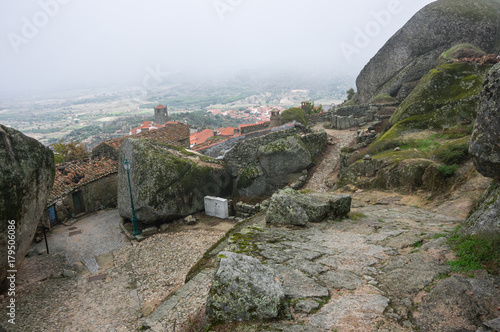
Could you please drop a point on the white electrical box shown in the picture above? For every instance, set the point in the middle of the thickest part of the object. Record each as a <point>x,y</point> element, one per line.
<point>216,207</point>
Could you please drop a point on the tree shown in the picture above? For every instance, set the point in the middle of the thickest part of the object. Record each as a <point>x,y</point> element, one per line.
<point>70,151</point>
<point>292,114</point>
<point>350,93</point>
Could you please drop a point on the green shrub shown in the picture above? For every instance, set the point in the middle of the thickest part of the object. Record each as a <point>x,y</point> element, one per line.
<point>453,154</point>
<point>476,252</point>
<point>447,171</point>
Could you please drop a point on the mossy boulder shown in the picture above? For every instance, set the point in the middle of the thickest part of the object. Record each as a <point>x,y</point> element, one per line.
<point>484,143</point>
<point>294,114</point>
<point>26,178</point>
<point>283,157</point>
<point>414,49</point>
<point>447,95</point>
<point>460,51</point>
<point>167,183</point>
<point>278,162</point>
<point>243,289</point>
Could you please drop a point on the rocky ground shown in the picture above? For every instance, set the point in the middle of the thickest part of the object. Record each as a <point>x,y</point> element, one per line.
<point>383,269</point>
<point>138,277</point>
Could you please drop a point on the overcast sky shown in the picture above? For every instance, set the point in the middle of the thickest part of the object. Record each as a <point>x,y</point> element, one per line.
<point>61,44</point>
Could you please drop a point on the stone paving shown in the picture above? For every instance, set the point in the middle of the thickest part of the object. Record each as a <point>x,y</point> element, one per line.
<point>138,277</point>
<point>100,233</point>
<point>361,274</point>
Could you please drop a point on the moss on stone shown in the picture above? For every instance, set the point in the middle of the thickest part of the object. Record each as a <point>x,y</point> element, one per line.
<point>248,175</point>
<point>383,98</point>
<point>450,93</point>
<point>460,51</point>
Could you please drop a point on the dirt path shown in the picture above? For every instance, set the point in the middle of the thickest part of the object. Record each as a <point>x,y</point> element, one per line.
<point>325,174</point>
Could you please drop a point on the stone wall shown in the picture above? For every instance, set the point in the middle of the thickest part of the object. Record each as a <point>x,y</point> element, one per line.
<point>257,127</point>
<point>244,210</point>
<point>97,195</point>
<point>219,150</point>
<point>345,117</point>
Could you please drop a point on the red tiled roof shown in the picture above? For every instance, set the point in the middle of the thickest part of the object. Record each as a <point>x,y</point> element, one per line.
<point>229,131</point>
<point>75,174</point>
<point>171,134</point>
<point>202,136</point>
<point>160,106</point>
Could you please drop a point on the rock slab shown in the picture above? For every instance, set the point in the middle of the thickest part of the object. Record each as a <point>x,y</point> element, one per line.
<point>289,206</point>
<point>459,304</point>
<point>26,178</point>
<point>243,289</point>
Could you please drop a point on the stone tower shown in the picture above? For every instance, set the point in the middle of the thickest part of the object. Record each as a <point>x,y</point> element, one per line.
<point>303,105</point>
<point>275,120</point>
<point>161,114</point>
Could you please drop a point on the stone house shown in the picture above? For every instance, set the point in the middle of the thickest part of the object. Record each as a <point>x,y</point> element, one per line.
<point>82,187</point>
<point>174,133</point>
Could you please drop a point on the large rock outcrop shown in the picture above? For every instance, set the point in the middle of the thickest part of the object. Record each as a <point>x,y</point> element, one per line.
<point>485,151</point>
<point>262,165</point>
<point>415,48</point>
<point>289,206</point>
<point>167,182</point>
<point>484,144</point>
<point>26,177</point>
<point>243,289</point>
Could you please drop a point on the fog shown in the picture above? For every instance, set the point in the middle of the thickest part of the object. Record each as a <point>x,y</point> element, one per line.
<point>49,45</point>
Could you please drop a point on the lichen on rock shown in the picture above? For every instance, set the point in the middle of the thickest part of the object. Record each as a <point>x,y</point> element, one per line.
<point>289,206</point>
<point>243,289</point>
<point>167,183</point>
<point>26,177</point>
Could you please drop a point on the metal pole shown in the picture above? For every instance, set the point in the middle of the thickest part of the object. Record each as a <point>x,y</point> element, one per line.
<point>45,236</point>
<point>134,219</point>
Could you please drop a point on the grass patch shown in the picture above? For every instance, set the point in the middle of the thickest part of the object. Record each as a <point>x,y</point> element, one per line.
<point>423,145</point>
<point>356,216</point>
<point>476,252</point>
<point>438,235</point>
<point>418,244</point>
<point>455,132</point>
<point>380,220</point>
